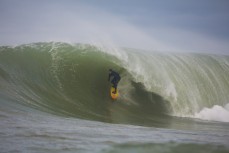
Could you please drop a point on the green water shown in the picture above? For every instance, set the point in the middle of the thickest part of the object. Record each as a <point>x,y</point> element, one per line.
<point>54,97</point>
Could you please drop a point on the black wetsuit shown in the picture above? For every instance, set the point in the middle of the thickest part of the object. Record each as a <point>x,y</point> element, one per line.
<point>115,80</point>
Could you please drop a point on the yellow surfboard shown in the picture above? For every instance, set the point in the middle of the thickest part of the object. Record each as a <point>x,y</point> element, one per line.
<point>114,95</point>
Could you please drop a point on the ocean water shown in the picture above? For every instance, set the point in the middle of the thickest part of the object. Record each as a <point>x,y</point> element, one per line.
<point>54,97</point>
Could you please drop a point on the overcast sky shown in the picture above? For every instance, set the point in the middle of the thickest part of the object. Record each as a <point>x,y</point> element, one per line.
<point>169,25</point>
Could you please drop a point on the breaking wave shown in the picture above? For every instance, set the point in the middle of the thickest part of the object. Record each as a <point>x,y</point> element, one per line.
<point>72,80</point>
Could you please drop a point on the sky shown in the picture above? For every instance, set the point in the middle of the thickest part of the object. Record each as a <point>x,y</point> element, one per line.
<point>161,25</point>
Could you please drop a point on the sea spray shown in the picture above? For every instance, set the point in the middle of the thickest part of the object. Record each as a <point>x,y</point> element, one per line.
<point>216,113</point>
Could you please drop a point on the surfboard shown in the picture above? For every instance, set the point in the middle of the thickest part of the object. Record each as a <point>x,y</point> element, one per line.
<point>114,96</point>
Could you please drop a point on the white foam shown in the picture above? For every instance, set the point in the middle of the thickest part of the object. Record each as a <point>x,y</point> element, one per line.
<point>171,91</point>
<point>216,113</point>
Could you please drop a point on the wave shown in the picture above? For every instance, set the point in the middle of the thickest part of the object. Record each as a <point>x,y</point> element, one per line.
<point>71,80</point>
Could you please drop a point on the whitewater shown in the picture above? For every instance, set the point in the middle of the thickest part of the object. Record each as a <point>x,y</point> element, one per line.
<point>54,97</point>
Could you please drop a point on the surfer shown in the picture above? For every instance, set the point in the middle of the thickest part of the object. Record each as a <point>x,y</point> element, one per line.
<point>115,80</point>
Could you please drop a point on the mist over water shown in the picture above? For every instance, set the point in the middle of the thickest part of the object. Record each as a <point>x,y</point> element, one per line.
<point>145,25</point>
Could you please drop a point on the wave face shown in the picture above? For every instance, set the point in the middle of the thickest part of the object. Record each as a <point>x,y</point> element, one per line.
<point>72,80</point>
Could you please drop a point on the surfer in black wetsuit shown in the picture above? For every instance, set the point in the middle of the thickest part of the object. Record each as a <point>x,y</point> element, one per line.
<point>115,80</point>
